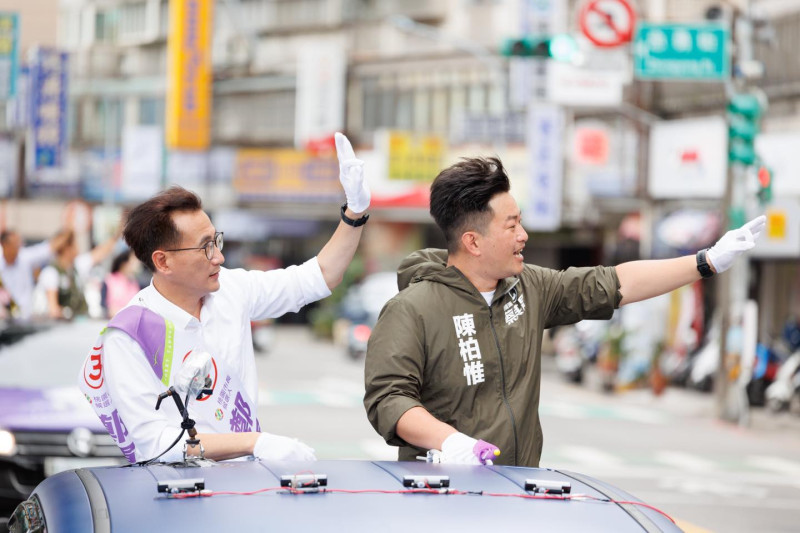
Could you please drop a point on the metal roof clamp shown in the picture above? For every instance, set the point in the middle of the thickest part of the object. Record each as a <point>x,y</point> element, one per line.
<point>426,481</point>
<point>304,482</point>
<point>543,486</point>
<point>172,487</point>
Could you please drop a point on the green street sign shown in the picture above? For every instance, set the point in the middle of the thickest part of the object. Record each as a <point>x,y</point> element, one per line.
<point>696,52</point>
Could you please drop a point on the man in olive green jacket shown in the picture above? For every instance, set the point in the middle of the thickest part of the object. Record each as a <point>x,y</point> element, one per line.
<point>454,362</point>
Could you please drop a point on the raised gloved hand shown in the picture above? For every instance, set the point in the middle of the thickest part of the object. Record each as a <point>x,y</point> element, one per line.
<point>462,449</point>
<point>735,242</point>
<point>351,174</point>
<point>279,448</point>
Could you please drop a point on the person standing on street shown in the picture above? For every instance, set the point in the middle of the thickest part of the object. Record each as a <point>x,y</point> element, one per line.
<point>193,320</point>
<point>18,264</point>
<point>62,282</point>
<point>454,362</point>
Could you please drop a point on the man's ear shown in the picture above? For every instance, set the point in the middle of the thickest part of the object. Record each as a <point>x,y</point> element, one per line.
<point>469,240</point>
<point>160,261</point>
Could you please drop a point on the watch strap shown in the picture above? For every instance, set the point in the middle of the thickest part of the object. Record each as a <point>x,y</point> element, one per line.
<point>702,264</point>
<point>349,221</point>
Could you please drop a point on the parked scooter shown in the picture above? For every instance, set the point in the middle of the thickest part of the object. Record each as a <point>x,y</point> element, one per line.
<point>577,347</point>
<point>784,392</point>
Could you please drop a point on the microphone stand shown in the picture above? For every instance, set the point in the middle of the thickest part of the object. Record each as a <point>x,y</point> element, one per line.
<point>187,423</point>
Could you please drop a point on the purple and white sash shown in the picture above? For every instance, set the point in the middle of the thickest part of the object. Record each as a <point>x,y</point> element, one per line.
<point>228,409</point>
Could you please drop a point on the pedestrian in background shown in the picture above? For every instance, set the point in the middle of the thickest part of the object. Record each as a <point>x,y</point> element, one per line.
<point>18,265</point>
<point>121,284</point>
<point>63,281</point>
<point>454,362</point>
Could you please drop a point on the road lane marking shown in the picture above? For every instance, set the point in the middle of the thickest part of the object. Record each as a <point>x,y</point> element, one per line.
<point>574,411</point>
<point>684,461</point>
<point>785,467</point>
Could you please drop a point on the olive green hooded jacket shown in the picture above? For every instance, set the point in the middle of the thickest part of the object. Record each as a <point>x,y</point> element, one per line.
<point>477,367</point>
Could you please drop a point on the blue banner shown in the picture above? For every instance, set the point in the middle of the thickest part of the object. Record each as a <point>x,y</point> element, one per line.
<point>48,83</point>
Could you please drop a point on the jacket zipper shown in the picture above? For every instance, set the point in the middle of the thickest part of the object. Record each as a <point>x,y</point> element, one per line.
<point>503,383</point>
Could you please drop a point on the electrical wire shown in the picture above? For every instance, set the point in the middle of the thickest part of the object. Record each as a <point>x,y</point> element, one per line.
<point>176,441</point>
<point>443,491</point>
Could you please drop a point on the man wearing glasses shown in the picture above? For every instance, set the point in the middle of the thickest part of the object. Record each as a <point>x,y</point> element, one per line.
<point>194,318</point>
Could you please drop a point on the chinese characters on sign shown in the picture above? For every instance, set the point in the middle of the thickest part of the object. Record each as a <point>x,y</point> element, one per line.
<point>698,52</point>
<point>188,104</point>
<point>469,349</point>
<point>545,148</point>
<point>48,108</point>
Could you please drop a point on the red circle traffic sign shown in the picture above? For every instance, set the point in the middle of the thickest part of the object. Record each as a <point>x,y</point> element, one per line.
<point>607,23</point>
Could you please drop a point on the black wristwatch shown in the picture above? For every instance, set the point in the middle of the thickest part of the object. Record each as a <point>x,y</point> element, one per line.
<point>702,264</point>
<point>349,221</point>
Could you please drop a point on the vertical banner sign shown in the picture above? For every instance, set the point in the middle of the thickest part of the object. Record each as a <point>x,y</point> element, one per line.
<point>9,37</point>
<point>189,75</point>
<point>545,149</point>
<point>48,132</point>
<point>321,82</point>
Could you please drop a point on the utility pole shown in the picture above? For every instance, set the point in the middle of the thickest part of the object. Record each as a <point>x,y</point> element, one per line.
<point>746,104</point>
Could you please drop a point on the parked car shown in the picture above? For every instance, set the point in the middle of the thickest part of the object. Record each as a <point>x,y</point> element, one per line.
<point>334,495</point>
<point>361,305</point>
<point>46,425</point>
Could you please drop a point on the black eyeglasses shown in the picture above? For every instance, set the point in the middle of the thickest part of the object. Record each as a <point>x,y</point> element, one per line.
<point>208,247</point>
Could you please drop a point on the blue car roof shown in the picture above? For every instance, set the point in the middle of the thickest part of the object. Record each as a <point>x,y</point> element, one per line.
<point>359,496</point>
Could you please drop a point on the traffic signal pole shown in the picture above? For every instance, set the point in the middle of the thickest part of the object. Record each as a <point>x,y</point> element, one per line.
<point>744,110</point>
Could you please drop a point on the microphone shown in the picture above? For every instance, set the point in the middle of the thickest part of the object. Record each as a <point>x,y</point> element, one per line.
<point>194,377</point>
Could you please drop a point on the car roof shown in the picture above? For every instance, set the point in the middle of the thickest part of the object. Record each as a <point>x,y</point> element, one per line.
<point>362,496</point>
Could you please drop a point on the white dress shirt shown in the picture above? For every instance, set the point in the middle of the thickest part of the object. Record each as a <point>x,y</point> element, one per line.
<point>18,277</point>
<point>223,330</point>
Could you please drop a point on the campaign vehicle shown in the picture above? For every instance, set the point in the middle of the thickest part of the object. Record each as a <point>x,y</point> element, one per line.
<point>330,495</point>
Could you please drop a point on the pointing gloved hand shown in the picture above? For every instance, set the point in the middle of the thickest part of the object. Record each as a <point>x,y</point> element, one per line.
<point>461,449</point>
<point>351,174</point>
<point>734,243</point>
<point>279,448</point>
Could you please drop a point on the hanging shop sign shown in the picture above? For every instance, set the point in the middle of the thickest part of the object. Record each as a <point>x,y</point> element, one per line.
<point>188,101</point>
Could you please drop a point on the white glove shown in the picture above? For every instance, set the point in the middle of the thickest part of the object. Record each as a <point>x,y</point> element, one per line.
<point>735,242</point>
<point>351,174</point>
<point>191,377</point>
<point>278,448</point>
<point>461,449</point>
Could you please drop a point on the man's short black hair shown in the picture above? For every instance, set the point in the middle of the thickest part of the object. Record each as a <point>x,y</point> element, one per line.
<point>150,226</point>
<point>460,196</point>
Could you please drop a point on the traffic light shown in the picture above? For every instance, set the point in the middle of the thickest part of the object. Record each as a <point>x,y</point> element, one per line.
<point>744,114</point>
<point>764,184</point>
<point>561,47</point>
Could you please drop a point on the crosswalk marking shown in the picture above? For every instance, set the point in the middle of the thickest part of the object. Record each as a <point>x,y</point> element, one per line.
<point>684,461</point>
<point>775,464</point>
<point>574,411</point>
<point>595,461</point>
<point>589,455</point>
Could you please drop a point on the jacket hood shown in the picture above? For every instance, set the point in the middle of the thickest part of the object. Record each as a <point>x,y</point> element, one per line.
<point>419,264</point>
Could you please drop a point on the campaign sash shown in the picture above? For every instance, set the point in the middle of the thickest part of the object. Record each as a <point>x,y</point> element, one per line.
<point>227,409</point>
